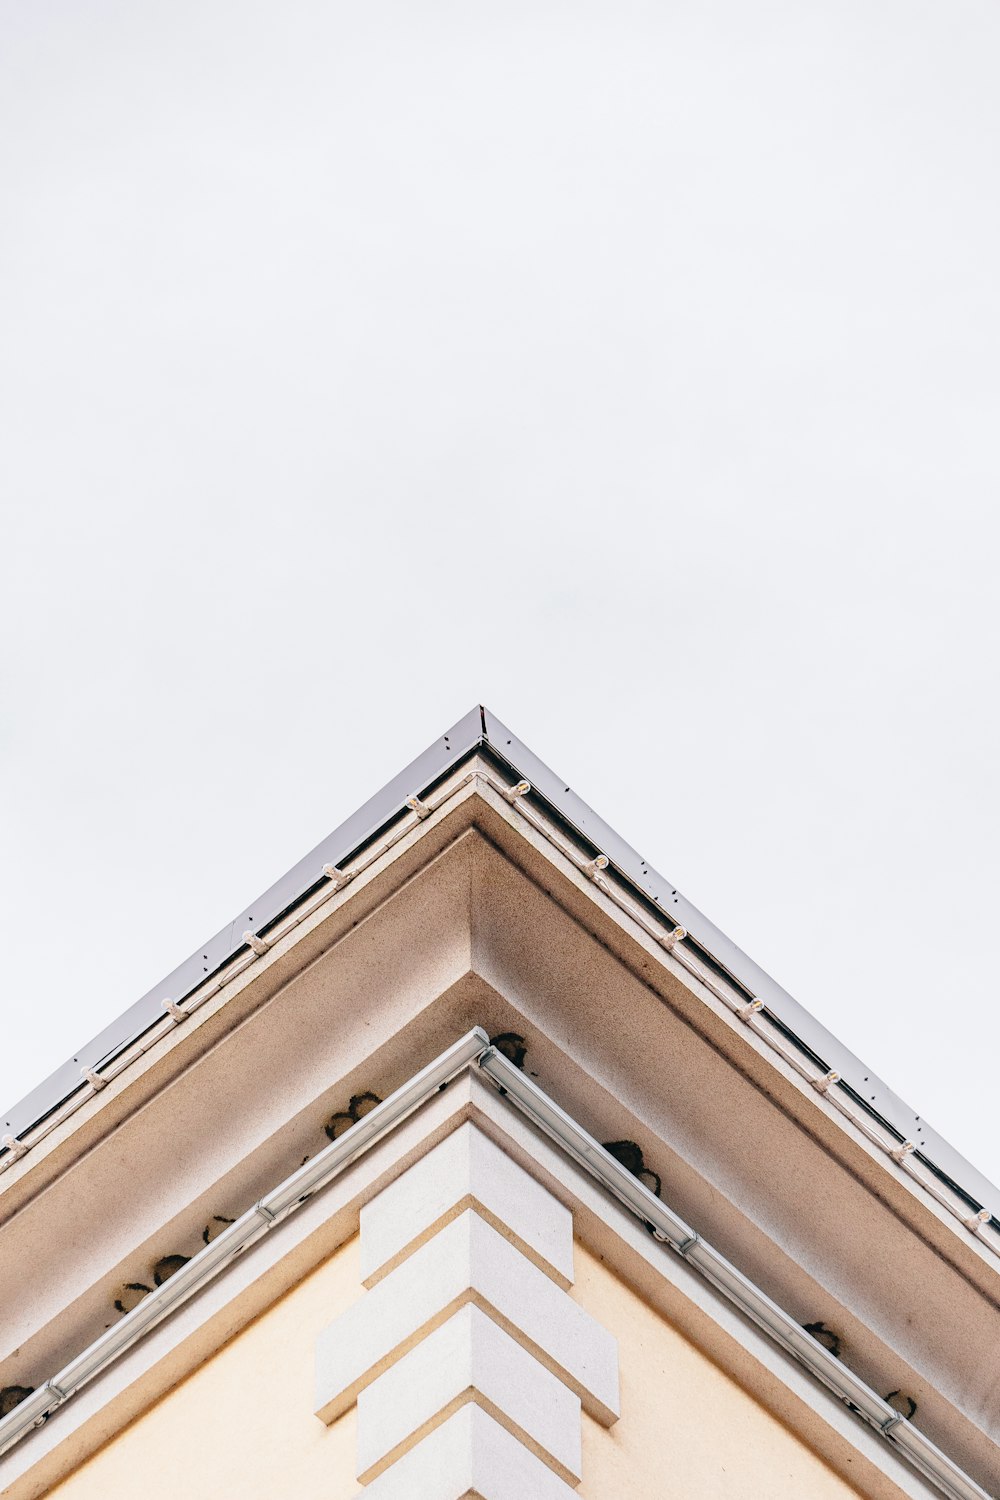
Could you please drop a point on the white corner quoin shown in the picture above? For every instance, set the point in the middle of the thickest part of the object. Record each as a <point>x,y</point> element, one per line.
<point>468,1260</point>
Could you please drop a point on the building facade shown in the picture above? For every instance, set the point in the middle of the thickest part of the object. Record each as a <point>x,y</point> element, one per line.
<point>472,1161</point>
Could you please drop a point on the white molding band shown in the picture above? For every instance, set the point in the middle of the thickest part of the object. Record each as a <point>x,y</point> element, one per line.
<point>667,1226</point>
<point>901,1436</point>
<point>202,1268</point>
<point>981,1225</point>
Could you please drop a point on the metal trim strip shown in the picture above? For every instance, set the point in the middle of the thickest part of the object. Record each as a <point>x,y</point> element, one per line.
<point>477,730</point>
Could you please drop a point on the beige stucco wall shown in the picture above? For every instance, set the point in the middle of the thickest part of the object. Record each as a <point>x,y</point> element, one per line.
<point>686,1429</point>
<point>243,1423</point>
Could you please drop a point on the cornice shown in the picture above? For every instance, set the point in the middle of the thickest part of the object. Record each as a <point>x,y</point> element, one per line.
<point>465,1265</point>
<point>624,876</point>
<point>470,890</point>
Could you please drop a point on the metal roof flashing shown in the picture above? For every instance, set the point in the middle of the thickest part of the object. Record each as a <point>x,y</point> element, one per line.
<point>835,1069</point>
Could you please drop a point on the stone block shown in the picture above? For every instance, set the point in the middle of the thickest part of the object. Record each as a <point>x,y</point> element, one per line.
<point>470,1455</point>
<point>469,1358</point>
<point>467,1262</point>
<point>466,1170</point>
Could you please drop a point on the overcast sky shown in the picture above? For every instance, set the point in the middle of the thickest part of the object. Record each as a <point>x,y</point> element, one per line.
<point>630,367</point>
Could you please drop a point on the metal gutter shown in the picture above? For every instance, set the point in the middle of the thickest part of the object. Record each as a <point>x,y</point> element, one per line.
<point>872,1094</point>
<point>666,1226</point>
<point>237,1237</point>
<point>479,731</point>
<point>675,1232</point>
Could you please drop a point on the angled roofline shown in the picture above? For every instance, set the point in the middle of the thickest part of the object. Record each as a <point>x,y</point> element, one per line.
<point>474,1052</point>
<point>480,732</point>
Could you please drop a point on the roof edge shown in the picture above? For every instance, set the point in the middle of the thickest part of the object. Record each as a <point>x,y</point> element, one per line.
<point>480,730</point>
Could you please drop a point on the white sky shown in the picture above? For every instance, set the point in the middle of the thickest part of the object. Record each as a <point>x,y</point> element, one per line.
<point>630,367</point>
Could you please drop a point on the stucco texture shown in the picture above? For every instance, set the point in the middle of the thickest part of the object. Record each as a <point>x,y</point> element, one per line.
<point>243,1423</point>
<point>686,1429</point>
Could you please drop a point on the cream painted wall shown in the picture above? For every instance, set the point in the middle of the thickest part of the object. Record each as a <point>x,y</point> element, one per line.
<point>686,1430</point>
<point>243,1424</point>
